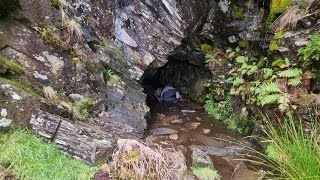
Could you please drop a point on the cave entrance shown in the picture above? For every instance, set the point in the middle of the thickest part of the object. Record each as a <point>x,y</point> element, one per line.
<point>184,125</point>
<point>187,78</point>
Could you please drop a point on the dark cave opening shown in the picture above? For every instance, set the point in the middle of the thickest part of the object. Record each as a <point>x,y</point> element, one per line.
<point>187,78</point>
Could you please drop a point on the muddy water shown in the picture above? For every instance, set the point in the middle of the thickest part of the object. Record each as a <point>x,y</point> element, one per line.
<point>186,125</point>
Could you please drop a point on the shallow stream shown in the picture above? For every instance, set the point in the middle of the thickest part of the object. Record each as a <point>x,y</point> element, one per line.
<point>185,125</point>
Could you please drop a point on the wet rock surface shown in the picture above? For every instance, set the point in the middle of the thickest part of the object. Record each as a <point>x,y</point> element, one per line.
<point>206,148</point>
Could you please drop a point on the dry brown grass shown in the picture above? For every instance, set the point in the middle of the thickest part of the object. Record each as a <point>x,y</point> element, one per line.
<point>74,29</point>
<point>290,18</point>
<point>50,93</point>
<point>133,160</point>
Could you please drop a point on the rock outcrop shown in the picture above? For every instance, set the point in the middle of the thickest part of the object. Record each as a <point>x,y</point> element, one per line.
<point>95,49</point>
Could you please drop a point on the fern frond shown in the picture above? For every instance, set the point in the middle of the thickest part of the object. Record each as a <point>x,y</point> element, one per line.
<point>295,81</point>
<point>242,59</point>
<point>238,81</point>
<point>267,73</point>
<point>290,73</point>
<point>268,88</point>
<point>269,99</point>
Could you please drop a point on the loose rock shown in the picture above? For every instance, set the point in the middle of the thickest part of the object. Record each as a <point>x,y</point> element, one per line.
<point>174,137</point>
<point>163,131</point>
<point>198,118</point>
<point>206,131</point>
<point>208,141</point>
<point>5,123</point>
<point>200,158</point>
<point>192,125</point>
<point>177,121</point>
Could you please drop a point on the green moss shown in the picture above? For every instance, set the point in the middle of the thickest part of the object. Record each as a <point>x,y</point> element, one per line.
<point>244,43</point>
<point>277,7</point>
<point>206,48</point>
<point>115,52</point>
<point>20,85</point>
<point>239,12</point>
<point>273,46</point>
<point>9,67</point>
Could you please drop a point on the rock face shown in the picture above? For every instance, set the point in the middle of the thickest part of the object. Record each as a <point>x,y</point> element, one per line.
<point>96,49</point>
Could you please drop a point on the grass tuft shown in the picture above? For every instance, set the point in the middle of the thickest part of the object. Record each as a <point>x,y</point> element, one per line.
<point>29,157</point>
<point>206,173</point>
<point>133,160</point>
<point>291,152</point>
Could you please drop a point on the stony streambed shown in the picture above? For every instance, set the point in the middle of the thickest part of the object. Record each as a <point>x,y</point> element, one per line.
<point>186,126</point>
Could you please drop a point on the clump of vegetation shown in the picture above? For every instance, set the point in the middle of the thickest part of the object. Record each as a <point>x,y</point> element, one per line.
<point>111,77</point>
<point>292,153</point>
<point>206,173</point>
<point>311,52</point>
<point>115,52</point>
<point>31,158</point>
<point>224,111</point>
<point>83,107</point>
<point>239,12</point>
<point>50,35</point>
<point>133,160</point>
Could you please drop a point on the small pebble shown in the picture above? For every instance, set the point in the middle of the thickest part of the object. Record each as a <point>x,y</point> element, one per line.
<point>198,119</point>
<point>177,121</point>
<point>206,131</point>
<point>174,137</point>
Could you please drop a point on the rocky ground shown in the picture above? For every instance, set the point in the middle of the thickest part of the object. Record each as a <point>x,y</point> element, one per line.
<point>186,126</point>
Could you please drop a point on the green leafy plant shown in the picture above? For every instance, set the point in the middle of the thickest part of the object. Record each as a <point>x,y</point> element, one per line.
<point>111,77</point>
<point>311,52</point>
<point>206,173</point>
<point>83,107</point>
<point>223,111</point>
<point>294,76</point>
<point>29,157</point>
<point>50,35</point>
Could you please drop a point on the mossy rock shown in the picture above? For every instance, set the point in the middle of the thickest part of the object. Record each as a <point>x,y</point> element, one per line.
<point>239,12</point>
<point>9,67</point>
<point>278,7</point>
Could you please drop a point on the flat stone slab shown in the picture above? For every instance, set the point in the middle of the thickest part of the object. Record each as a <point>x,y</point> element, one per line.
<point>84,140</point>
<point>5,123</point>
<point>192,125</point>
<point>208,141</point>
<point>217,151</point>
<point>163,131</point>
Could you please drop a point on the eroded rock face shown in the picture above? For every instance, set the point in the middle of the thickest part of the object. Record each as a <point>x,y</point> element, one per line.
<point>99,49</point>
<point>123,36</point>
